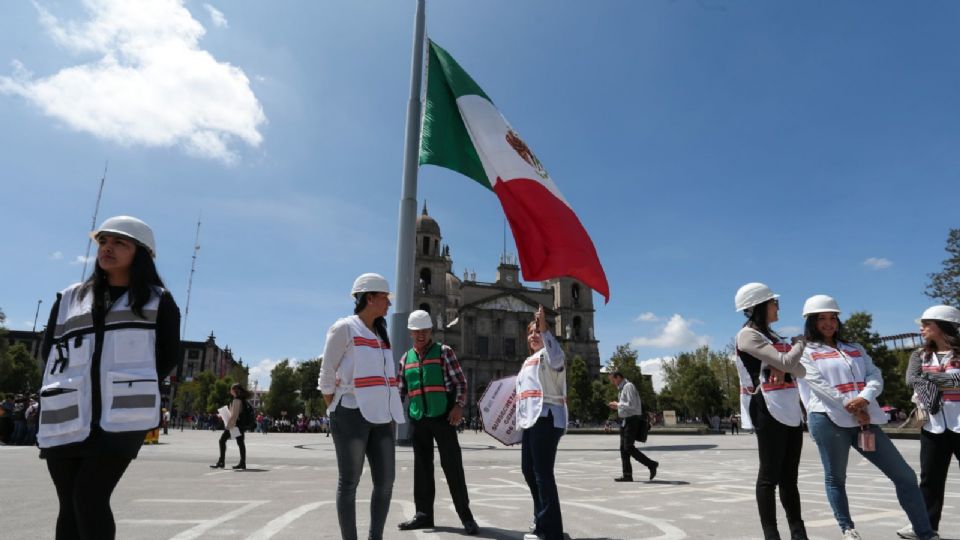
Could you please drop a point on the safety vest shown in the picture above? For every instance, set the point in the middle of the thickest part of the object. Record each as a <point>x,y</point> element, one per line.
<point>426,391</point>
<point>783,398</point>
<point>843,368</point>
<point>129,391</point>
<point>537,383</point>
<point>374,379</point>
<point>746,394</point>
<point>949,415</point>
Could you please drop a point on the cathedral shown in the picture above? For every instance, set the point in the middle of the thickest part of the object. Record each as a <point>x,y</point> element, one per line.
<point>485,323</point>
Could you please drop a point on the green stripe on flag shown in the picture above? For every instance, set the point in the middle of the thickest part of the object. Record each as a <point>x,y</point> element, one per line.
<point>444,140</point>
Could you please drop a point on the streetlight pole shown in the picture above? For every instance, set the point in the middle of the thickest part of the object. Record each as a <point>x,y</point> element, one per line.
<point>36,315</point>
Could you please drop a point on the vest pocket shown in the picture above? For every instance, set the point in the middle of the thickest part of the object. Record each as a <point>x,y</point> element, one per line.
<point>60,407</point>
<point>131,396</point>
<point>131,345</point>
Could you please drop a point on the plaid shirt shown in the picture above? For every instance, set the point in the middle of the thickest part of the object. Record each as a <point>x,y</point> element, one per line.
<point>453,378</point>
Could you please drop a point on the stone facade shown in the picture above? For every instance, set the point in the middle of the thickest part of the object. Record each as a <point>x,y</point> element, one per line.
<point>485,322</point>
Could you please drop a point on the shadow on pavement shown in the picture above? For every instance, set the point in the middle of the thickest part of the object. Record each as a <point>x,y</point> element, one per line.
<point>492,532</point>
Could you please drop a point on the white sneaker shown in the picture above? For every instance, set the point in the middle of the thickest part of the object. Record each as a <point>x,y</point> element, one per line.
<point>530,536</point>
<point>851,534</point>
<point>907,532</point>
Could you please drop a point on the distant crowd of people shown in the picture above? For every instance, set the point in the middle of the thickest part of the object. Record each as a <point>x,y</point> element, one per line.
<point>18,419</point>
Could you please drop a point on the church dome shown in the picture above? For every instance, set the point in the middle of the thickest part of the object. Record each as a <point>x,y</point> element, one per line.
<point>426,224</point>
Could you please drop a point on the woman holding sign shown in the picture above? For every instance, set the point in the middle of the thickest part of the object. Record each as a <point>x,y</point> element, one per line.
<point>542,415</point>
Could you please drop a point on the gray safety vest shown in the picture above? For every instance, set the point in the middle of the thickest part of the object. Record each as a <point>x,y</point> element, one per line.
<point>129,391</point>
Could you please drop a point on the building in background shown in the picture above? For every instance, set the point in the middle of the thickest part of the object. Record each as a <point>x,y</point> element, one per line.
<point>486,322</point>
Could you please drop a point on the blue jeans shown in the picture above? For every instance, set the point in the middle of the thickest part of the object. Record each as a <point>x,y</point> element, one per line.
<point>353,438</point>
<point>834,443</point>
<point>538,454</point>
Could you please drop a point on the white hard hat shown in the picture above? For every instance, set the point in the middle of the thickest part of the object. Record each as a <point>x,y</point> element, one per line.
<point>419,320</point>
<point>129,227</point>
<point>752,294</point>
<point>944,313</point>
<point>820,303</point>
<point>370,283</point>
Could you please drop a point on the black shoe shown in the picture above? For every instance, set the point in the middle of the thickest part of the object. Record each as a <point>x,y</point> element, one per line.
<point>419,521</point>
<point>217,465</point>
<point>653,470</point>
<point>623,479</point>
<point>240,467</point>
<point>471,528</point>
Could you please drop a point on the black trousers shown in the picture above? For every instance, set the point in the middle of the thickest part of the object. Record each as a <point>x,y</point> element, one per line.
<point>935,453</point>
<point>779,446</point>
<point>240,444</point>
<point>84,486</point>
<point>424,432</point>
<point>629,432</point>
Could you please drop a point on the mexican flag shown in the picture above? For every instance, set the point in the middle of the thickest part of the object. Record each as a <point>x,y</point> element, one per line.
<point>463,131</point>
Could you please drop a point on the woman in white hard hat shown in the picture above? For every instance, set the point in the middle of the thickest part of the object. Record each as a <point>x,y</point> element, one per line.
<point>358,379</point>
<point>108,343</point>
<point>843,412</point>
<point>773,367</point>
<point>541,412</point>
<point>937,362</point>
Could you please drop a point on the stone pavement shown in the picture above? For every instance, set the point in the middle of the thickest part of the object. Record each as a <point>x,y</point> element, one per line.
<point>704,489</point>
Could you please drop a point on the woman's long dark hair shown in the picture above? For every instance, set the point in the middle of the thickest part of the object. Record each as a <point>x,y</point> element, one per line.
<point>757,319</point>
<point>812,335</point>
<point>241,391</point>
<point>379,324</point>
<point>143,277</point>
<point>950,335</point>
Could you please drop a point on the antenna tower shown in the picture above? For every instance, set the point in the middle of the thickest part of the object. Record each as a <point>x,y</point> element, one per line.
<point>93,222</point>
<point>193,268</point>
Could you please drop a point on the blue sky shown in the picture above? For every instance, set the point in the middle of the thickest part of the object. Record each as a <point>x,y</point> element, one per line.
<point>704,144</point>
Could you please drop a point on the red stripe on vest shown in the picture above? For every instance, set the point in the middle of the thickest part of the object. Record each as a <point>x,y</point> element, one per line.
<point>527,394</point>
<point>532,362</point>
<point>768,387</point>
<point>359,341</point>
<point>850,387</point>
<point>822,355</point>
<point>431,361</point>
<point>853,353</point>
<point>951,396</point>
<point>366,382</point>
<point>782,347</point>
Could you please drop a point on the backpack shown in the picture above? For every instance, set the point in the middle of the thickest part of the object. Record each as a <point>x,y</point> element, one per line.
<point>247,420</point>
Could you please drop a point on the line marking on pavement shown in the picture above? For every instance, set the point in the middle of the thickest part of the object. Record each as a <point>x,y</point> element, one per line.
<point>669,531</point>
<point>831,521</point>
<point>279,523</point>
<point>198,501</point>
<point>160,521</point>
<point>199,530</point>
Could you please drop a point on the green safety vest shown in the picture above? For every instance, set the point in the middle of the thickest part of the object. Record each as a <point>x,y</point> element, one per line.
<point>426,392</point>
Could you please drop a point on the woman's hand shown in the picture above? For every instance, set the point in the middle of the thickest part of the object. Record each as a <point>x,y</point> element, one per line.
<point>856,405</point>
<point>776,376</point>
<point>541,320</point>
<point>328,399</point>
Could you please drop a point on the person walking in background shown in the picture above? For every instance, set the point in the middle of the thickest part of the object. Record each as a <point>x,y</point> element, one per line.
<point>772,367</point>
<point>630,412</point>
<point>109,340</point>
<point>937,363</point>
<point>358,380</point>
<point>541,410</point>
<point>843,412</point>
<point>436,392</point>
<point>234,428</point>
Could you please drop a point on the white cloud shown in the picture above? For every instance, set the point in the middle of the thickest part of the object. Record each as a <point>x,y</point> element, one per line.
<point>676,334</point>
<point>216,17</point>
<point>83,260</point>
<point>56,256</point>
<point>647,317</point>
<point>151,84</point>
<point>261,372</point>
<point>654,368</point>
<point>878,263</point>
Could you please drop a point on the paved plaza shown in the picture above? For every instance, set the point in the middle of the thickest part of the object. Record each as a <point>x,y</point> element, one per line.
<point>704,489</point>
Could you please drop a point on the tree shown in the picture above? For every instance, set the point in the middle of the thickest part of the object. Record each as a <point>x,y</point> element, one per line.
<point>624,360</point>
<point>857,329</point>
<point>239,373</point>
<point>308,372</point>
<point>945,285</point>
<point>282,396</point>
<point>578,389</point>
<point>725,371</point>
<point>220,394</point>
<point>693,386</point>
<point>19,370</point>
<point>205,381</point>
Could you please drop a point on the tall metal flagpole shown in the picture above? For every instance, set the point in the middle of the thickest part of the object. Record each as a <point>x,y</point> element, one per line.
<point>93,224</point>
<point>406,226</point>
<point>193,269</point>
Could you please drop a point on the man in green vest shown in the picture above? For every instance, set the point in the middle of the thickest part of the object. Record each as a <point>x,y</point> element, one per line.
<point>436,391</point>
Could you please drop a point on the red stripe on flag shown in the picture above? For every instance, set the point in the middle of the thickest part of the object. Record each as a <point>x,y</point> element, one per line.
<point>550,239</point>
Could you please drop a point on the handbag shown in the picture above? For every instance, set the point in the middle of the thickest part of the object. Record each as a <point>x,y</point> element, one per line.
<point>917,419</point>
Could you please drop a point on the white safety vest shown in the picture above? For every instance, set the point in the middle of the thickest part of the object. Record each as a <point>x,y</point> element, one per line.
<point>949,415</point>
<point>783,398</point>
<point>537,383</point>
<point>844,369</point>
<point>374,379</point>
<point>129,391</point>
<point>746,394</point>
